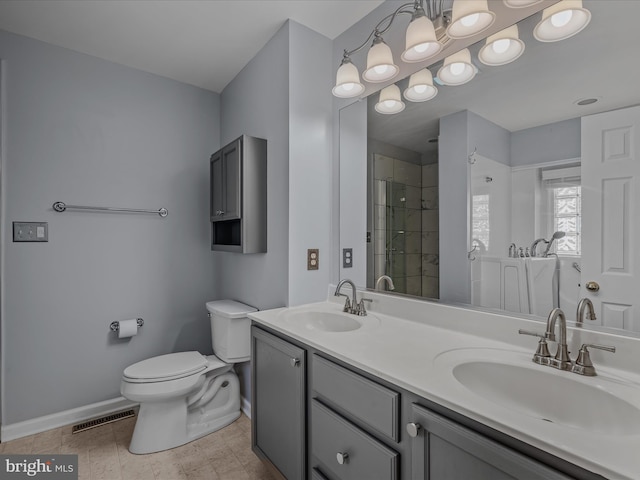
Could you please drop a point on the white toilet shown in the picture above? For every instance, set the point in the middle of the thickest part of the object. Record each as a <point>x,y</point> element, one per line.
<point>184,396</point>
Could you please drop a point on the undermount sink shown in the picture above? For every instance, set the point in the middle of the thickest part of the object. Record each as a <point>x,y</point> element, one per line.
<point>598,404</point>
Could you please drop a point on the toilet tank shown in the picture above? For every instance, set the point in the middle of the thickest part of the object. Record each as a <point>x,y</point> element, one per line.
<point>230,330</point>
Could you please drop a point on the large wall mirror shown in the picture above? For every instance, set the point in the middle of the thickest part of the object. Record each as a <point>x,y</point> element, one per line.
<point>513,192</point>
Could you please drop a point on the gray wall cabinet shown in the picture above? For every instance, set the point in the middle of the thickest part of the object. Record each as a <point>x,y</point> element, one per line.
<point>238,199</point>
<point>326,420</point>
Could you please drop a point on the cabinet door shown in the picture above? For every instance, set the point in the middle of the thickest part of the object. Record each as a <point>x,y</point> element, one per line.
<point>445,450</point>
<point>232,174</point>
<point>278,403</point>
<point>217,187</point>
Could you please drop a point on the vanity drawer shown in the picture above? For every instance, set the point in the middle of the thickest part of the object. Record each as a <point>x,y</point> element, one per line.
<point>366,458</point>
<point>375,405</point>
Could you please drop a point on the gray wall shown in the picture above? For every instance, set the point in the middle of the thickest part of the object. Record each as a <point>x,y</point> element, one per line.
<point>546,143</point>
<point>86,131</point>
<point>256,103</point>
<point>491,140</point>
<point>310,162</point>
<point>453,145</point>
<point>270,99</point>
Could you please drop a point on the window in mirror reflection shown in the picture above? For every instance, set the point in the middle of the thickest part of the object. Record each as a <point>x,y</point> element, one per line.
<point>481,226</point>
<point>566,218</point>
<point>564,191</point>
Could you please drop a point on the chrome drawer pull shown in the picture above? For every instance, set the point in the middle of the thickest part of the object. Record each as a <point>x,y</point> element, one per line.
<point>342,457</point>
<point>295,362</point>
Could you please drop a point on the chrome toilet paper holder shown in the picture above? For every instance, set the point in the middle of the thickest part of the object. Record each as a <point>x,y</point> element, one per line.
<point>115,326</point>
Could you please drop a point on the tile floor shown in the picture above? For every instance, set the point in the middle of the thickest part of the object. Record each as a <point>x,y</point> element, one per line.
<point>103,454</point>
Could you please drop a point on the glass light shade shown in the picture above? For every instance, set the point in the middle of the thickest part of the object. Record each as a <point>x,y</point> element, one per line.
<point>390,101</point>
<point>520,3</point>
<point>502,48</point>
<point>420,87</point>
<point>562,20</point>
<point>380,66</point>
<point>457,69</point>
<point>347,81</point>
<point>469,17</point>
<point>421,41</point>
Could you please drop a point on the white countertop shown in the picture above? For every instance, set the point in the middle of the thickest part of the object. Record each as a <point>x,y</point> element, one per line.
<point>412,349</point>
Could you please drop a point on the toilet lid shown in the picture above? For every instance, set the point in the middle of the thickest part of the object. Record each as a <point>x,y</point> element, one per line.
<point>167,367</point>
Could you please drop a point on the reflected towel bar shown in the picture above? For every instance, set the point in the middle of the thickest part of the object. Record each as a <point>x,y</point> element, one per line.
<point>61,207</point>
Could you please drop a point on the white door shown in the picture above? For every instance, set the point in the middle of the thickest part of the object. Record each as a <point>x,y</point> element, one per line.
<point>610,210</point>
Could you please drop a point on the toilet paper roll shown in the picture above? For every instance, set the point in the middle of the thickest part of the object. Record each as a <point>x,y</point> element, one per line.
<point>128,328</point>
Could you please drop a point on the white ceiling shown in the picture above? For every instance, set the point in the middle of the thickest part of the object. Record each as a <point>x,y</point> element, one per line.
<point>204,43</point>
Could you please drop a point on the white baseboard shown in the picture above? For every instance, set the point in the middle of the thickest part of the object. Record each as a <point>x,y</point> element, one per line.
<point>245,406</point>
<point>55,420</point>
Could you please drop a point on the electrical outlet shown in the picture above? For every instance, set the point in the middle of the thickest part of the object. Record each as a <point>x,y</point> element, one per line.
<point>313,258</point>
<point>30,232</point>
<point>347,257</point>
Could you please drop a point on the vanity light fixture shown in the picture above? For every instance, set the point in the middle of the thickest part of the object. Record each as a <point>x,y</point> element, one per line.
<point>423,40</point>
<point>347,80</point>
<point>562,20</point>
<point>502,48</point>
<point>430,29</point>
<point>420,87</point>
<point>420,40</point>
<point>390,101</point>
<point>469,17</point>
<point>380,66</point>
<point>457,69</point>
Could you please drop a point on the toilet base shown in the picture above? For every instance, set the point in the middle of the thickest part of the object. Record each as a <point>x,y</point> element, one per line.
<point>169,424</point>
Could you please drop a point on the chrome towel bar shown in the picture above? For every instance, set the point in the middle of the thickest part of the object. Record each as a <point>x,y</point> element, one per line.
<point>61,207</point>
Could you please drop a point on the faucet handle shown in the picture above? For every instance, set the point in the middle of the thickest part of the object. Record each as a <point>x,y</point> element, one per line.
<point>542,354</point>
<point>347,304</point>
<point>584,365</point>
<point>359,309</point>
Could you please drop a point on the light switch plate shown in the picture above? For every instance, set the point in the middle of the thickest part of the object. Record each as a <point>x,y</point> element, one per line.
<point>30,232</point>
<point>347,257</point>
<point>313,258</point>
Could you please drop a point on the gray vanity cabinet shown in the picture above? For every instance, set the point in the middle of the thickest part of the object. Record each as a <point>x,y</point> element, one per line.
<point>315,417</point>
<point>238,196</point>
<point>445,450</point>
<point>278,417</point>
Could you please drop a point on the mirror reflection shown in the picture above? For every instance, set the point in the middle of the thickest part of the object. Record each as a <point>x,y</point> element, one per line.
<point>515,191</point>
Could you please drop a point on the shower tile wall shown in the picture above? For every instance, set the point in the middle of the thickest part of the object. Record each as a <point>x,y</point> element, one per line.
<point>400,213</point>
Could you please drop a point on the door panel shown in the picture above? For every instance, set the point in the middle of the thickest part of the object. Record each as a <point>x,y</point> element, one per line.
<point>610,229</point>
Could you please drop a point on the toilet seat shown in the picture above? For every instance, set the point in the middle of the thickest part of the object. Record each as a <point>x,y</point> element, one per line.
<point>167,367</point>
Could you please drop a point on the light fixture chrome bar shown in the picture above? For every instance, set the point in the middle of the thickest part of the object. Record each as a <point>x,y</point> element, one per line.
<point>377,32</point>
<point>61,207</point>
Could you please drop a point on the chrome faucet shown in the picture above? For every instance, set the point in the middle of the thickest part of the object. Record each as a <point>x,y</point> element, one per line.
<point>561,361</point>
<point>349,305</point>
<point>353,306</point>
<point>534,245</point>
<point>585,303</point>
<point>383,279</point>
